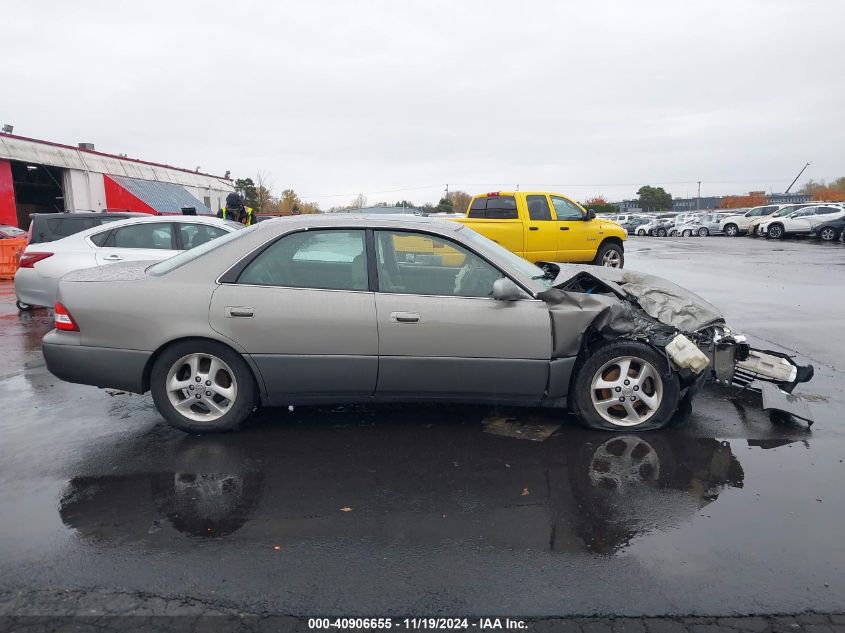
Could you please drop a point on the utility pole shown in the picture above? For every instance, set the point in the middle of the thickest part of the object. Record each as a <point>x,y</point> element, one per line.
<point>698,200</point>
<point>797,177</point>
<point>447,190</point>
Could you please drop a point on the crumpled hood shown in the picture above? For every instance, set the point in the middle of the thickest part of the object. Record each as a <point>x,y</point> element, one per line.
<point>661,299</point>
<point>123,271</point>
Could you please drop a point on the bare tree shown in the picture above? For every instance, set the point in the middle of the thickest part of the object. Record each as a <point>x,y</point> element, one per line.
<point>264,190</point>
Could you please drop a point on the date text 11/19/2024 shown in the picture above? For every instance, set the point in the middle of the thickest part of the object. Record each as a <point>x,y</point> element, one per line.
<point>417,624</point>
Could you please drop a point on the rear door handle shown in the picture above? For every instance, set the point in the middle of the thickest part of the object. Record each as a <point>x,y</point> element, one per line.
<point>405,317</point>
<point>564,228</point>
<point>533,228</point>
<point>239,312</point>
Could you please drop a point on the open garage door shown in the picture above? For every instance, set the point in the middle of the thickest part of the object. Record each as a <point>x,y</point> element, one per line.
<point>38,189</point>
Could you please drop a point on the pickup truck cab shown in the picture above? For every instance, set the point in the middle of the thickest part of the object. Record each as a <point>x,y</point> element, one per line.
<point>546,227</point>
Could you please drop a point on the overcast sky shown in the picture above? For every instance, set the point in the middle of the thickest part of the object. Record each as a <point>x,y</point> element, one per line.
<point>366,96</point>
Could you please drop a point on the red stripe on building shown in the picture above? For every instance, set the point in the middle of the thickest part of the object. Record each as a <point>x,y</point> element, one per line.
<point>119,198</point>
<point>8,210</point>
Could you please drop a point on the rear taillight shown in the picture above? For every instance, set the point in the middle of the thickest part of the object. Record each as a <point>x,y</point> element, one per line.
<point>63,319</point>
<point>28,260</point>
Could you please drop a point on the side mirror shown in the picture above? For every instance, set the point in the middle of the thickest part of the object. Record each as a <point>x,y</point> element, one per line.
<point>590,215</point>
<point>506,290</point>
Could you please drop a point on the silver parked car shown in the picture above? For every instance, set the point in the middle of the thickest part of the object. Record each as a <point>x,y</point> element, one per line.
<point>359,308</point>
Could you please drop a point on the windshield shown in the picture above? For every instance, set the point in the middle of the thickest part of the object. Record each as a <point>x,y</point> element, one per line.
<point>513,261</point>
<point>168,265</point>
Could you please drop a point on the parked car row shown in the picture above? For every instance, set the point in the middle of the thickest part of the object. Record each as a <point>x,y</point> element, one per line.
<point>822,220</point>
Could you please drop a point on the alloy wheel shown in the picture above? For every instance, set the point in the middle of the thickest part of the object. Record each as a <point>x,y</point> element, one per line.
<point>775,232</point>
<point>626,391</point>
<point>612,259</point>
<point>703,232</point>
<point>827,234</point>
<point>201,387</point>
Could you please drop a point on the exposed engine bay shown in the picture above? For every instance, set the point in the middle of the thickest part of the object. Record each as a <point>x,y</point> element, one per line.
<point>622,304</point>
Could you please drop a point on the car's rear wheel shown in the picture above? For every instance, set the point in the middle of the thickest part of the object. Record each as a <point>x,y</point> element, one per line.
<point>611,255</point>
<point>625,385</point>
<point>202,386</point>
<point>687,233</point>
<point>660,232</point>
<point>703,232</point>
<point>828,234</point>
<point>775,232</point>
<point>731,230</point>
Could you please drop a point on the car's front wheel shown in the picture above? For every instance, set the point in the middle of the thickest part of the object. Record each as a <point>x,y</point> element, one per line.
<point>687,233</point>
<point>610,255</point>
<point>660,232</point>
<point>775,232</point>
<point>23,307</point>
<point>703,232</point>
<point>625,385</point>
<point>640,232</point>
<point>203,386</point>
<point>731,230</point>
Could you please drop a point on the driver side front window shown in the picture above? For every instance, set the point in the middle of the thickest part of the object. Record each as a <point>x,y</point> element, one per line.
<point>422,264</point>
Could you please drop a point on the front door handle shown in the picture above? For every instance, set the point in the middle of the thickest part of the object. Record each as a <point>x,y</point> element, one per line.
<point>533,228</point>
<point>564,228</point>
<point>113,258</point>
<point>405,317</point>
<point>239,312</point>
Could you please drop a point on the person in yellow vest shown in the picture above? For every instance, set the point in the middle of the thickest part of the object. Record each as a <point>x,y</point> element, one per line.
<point>235,210</point>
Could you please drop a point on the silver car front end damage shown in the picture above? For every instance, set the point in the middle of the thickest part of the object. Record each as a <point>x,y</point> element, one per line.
<point>623,304</point>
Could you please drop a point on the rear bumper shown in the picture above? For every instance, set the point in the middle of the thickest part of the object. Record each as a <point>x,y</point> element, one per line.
<point>32,288</point>
<point>98,366</point>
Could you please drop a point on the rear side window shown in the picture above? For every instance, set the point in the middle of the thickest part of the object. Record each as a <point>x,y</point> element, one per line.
<point>100,238</point>
<point>494,208</point>
<point>327,260</point>
<point>826,210</point>
<point>150,235</point>
<point>538,208</point>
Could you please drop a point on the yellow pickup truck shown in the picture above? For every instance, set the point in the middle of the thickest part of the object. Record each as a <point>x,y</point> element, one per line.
<point>543,226</point>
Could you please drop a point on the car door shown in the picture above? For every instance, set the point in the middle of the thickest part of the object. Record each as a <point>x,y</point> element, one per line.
<point>138,242</point>
<point>303,311</point>
<point>576,240</point>
<point>541,236</point>
<point>800,221</point>
<point>443,336</point>
<point>824,214</point>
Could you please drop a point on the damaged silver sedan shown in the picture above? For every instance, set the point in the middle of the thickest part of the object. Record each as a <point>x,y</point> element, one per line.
<point>340,309</point>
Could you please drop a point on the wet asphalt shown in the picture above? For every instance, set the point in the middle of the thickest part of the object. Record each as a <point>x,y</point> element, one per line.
<point>396,510</point>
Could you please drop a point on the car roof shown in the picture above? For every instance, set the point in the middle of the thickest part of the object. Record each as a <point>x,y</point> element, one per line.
<point>373,220</point>
<point>88,214</point>
<point>144,218</point>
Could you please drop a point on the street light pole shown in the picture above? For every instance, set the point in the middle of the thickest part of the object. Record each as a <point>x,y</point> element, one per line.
<point>797,177</point>
<point>698,200</point>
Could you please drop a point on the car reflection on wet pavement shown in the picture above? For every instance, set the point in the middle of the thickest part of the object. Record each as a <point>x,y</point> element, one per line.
<point>421,509</point>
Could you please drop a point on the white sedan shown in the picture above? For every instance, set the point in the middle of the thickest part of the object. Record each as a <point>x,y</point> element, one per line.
<point>136,239</point>
<point>800,222</point>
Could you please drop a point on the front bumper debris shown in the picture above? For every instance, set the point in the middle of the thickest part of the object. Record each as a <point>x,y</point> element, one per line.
<point>614,304</point>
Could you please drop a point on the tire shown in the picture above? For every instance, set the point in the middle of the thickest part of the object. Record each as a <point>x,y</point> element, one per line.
<point>703,232</point>
<point>827,234</point>
<point>189,364</point>
<point>640,232</point>
<point>660,232</point>
<point>753,232</point>
<point>775,232</point>
<point>611,255</point>
<point>23,307</point>
<point>686,234</point>
<point>731,230</point>
<point>606,363</point>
